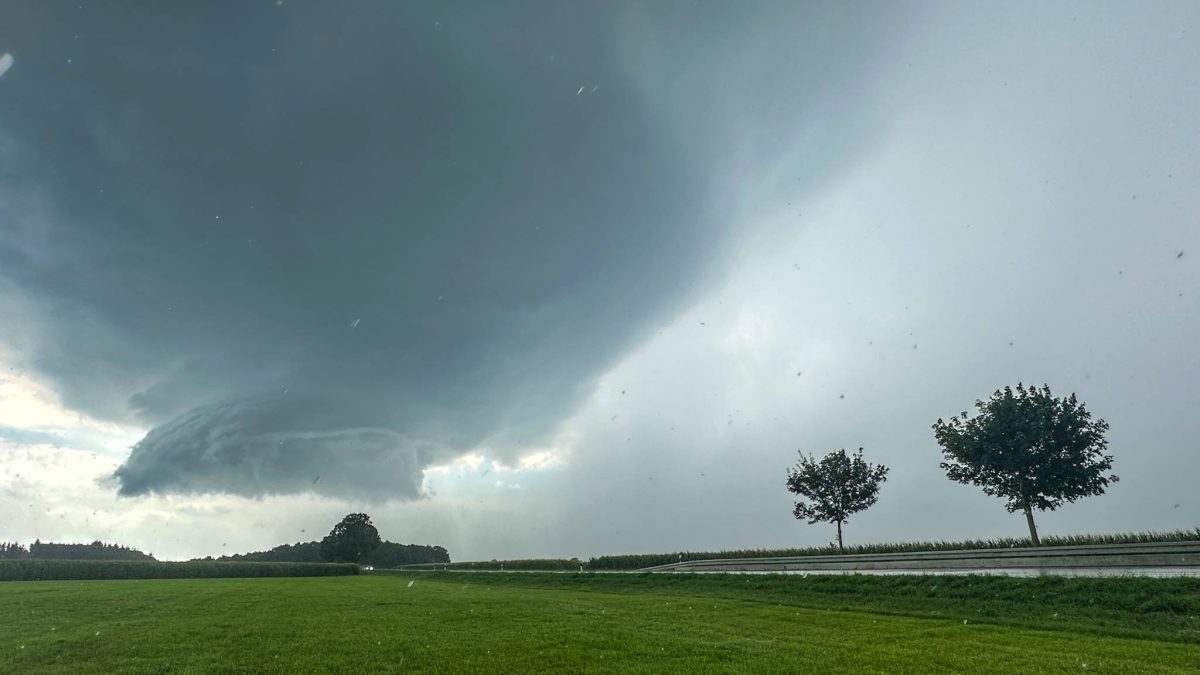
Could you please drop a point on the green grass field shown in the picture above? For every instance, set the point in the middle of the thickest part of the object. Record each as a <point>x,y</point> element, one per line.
<point>518,623</point>
<point>1165,609</point>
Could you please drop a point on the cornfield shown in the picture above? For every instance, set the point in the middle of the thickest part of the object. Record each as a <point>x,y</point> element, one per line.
<point>46,570</point>
<point>539,564</point>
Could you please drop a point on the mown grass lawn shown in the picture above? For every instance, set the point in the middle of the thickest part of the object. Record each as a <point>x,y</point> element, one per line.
<point>1160,609</point>
<point>379,623</point>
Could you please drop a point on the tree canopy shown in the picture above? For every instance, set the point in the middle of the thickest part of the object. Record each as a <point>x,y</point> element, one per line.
<point>351,540</point>
<point>836,486</point>
<point>97,550</point>
<point>1029,448</point>
<point>387,554</point>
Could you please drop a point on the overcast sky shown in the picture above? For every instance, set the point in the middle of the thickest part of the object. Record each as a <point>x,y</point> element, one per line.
<point>564,279</point>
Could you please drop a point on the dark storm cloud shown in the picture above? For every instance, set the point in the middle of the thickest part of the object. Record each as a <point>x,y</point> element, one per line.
<point>260,446</point>
<point>348,241</point>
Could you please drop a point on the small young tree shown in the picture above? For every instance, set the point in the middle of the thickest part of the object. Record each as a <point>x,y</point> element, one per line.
<point>836,486</point>
<point>1029,448</point>
<point>350,540</point>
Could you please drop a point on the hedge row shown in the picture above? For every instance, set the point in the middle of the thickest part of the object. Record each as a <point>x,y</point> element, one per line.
<point>637,561</point>
<point>47,570</point>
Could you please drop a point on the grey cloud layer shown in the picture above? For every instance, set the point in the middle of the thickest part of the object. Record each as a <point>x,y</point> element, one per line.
<point>258,446</point>
<point>348,242</point>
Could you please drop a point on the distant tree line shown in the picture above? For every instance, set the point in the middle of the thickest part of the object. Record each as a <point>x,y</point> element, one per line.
<point>301,551</point>
<point>391,554</point>
<point>352,540</point>
<point>388,554</point>
<point>97,550</point>
<point>381,554</point>
<point>355,539</point>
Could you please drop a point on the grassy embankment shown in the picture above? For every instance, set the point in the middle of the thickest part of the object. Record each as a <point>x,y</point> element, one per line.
<point>1139,607</point>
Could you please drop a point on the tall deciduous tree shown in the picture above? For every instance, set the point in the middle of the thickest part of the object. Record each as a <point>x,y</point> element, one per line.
<point>351,540</point>
<point>1028,448</point>
<point>836,486</point>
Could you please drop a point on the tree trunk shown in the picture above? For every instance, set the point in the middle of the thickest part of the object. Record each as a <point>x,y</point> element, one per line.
<point>1032,528</point>
<point>840,549</point>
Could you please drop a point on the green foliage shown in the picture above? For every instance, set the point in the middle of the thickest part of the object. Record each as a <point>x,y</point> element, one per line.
<point>12,551</point>
<point>351,540</point>
<point>1028,448</point>
<point>391,554</point>
<point>388,554</point>
<point>308,551</point>
<point>836,487</point>
<point>46,570</point>
<point>97,550</point>
<point>546,564</point>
